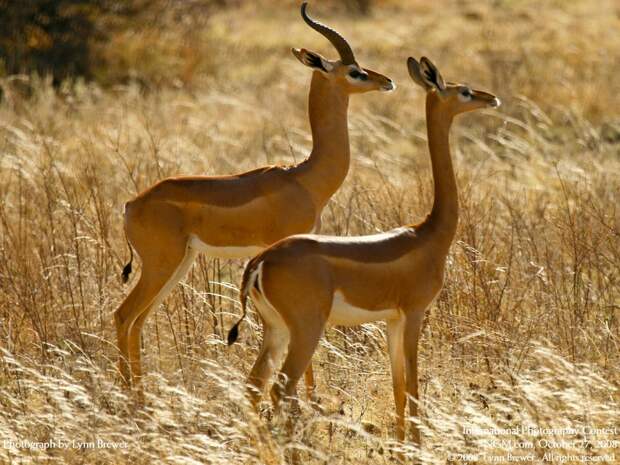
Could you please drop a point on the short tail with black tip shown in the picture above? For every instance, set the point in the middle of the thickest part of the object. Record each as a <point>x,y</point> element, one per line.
<point>249,277</point>
<point>127,268</point>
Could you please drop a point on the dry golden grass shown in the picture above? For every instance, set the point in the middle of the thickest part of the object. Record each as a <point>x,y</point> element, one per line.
<point>525,332</point>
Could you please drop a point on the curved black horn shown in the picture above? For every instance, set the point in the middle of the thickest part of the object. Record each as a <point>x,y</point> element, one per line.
<point>343,47</point>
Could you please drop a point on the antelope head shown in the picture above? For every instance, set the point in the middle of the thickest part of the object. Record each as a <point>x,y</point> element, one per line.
<point>453,98</point>
<point>346,72</point>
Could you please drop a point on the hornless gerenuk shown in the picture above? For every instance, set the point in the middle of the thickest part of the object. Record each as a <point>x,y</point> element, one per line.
<point>302,283</point>
<point>237,216</point>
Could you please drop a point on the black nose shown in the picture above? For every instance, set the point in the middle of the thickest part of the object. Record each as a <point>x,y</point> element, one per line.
<point>389,85</point>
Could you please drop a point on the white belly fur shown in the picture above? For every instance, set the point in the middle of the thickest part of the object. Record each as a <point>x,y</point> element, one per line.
<point>223,252</point>
<point>345,314</point>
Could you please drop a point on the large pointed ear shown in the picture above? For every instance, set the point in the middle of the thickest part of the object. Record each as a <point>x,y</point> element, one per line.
<point>425,74</point>
<point>414,71</point>
<point>431,74</point>
<point>312,60</point>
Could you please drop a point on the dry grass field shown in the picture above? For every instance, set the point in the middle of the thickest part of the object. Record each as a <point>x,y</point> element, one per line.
<point>525,334</point>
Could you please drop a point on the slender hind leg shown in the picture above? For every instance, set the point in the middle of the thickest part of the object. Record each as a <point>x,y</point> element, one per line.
<point>275,341</point>
<point>309,380</point>
<point>135,332</point>
<point>156,272</point>
<point>302,344</point>
<point>138,299</point>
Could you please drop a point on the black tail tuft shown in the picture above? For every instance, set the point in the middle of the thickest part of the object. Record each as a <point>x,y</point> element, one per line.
<point>126,272</point>
<point>233,334</point>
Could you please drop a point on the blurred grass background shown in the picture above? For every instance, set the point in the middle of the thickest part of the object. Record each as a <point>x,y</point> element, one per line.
<point>525,330</point>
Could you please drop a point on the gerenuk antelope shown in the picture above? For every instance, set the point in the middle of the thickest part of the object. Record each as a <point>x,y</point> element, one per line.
<point>302,283</point>
<point>238,216</point>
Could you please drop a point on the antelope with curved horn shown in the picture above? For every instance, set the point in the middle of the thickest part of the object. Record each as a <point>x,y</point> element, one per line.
<point>237,216</point>
<point>302,283</point>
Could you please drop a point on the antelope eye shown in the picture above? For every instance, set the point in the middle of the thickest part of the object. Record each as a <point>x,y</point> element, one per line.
<point>355,74</point>
<point>466,93</point>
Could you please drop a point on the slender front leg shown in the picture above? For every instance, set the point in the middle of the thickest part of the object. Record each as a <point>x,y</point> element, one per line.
<point>413,323</point>
<point>309,374</point>
<point>395,332</point>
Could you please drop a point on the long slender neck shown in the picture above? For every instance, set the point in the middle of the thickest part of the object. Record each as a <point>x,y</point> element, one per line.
<point>444,215</point>
<point>328,164</point>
